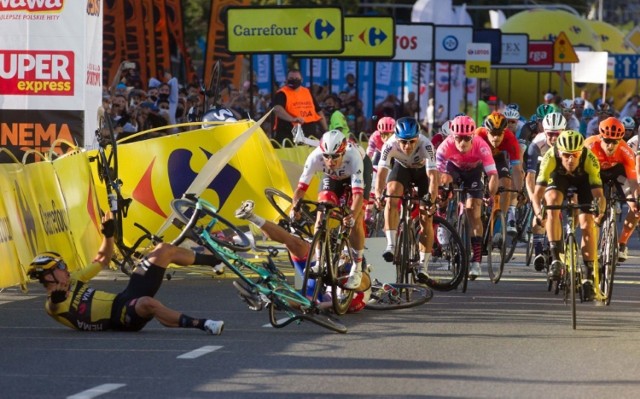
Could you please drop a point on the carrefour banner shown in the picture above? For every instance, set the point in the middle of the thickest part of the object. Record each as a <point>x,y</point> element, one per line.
<point>284,30</point>
<point>51,59</point>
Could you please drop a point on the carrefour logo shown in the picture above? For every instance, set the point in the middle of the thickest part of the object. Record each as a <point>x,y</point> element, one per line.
<point>372,36</point>
<point>320,28</point>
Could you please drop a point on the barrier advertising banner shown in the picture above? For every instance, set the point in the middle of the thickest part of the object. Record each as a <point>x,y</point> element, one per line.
<point>50,62</point>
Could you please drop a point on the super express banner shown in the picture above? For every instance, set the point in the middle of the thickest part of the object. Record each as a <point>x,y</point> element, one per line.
<point>56,205</point>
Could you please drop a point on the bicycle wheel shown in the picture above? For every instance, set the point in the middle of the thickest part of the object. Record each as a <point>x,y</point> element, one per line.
<point>281,316</point>
<point>316,269</point>
<point>571,254</point>
<point>608,256</point>
<point>375,225</point>
<point>219,229</point>
<point>281,202</point>
<point>400,257</point>
<point>495,238</point>
<point>398,296</point>
<point>342,262</point>
<point>464,231</point>
<point>448,264</point>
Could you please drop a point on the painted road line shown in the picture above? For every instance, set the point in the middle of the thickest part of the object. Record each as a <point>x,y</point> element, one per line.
<point>199,352</point>
<point>96,391</point>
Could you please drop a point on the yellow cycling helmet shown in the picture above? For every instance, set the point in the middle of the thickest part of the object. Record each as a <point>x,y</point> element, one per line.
<point>44,263</point>
<point>570,141</point>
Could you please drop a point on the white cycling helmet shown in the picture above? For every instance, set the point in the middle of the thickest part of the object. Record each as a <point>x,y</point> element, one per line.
<point>333,142</point>
<point>567,105</point>
<point>511,113</point>
<point>628,122</point>
<point>554,121</point>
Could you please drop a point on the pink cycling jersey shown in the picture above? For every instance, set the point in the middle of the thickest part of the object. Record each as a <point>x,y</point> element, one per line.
<point>375,143</point>
<point>479,154</point>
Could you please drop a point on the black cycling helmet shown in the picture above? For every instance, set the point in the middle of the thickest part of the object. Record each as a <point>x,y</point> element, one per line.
<point>45,263</point>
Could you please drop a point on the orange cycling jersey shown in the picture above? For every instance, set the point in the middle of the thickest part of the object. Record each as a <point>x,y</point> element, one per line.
<point>623,154</point>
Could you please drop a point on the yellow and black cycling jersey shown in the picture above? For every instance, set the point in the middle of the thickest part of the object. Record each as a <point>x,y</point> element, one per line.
<point>85,307</point>
<point>588,166</point>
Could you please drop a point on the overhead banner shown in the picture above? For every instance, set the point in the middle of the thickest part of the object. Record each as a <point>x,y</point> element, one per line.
<point>414,43</point>
<point>50,63</point>
<point>367,37</point>
<point>285,30</point>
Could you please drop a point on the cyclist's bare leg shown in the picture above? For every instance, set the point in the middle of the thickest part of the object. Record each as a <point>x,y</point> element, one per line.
<point>473,207</point>
<point>553,225</point>
<point>589,237</point>
<point>298,247</point>
<point>426,234</point>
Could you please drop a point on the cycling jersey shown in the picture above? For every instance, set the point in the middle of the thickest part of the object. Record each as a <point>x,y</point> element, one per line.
<point>422,156</point>
<point>85,308</point>
<point>375,144</point>
<point>633,143</point>
<point>352,168</point>
<point>509,145</point>
<point>437,139</point>
<point>479,154</point>
<point>623,155</point>
<point>536,149</point>
<point>588,168</point>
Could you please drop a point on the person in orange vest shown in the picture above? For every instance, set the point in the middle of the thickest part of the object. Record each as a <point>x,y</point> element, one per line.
<point>294,103</point>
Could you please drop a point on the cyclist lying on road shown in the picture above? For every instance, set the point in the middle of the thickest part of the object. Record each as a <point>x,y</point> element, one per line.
<point>72,302</point>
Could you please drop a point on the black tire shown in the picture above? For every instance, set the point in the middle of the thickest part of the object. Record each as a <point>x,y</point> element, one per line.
<point>398,296</point>
<point>318,278</point>
<point>220,230</point>
<point>609,256</point>
<point>281,202</point>
<point>340,296</point>
<point>449,263</point>
<point>571,254</point>
<point>496,251</point>
<point>464,231</point>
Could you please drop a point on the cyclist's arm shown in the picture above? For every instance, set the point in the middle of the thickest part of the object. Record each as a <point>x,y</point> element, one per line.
<point>494,180</point>
<point>547,165</point>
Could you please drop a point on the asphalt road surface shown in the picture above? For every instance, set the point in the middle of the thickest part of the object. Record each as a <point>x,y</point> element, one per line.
<point>510,340</point>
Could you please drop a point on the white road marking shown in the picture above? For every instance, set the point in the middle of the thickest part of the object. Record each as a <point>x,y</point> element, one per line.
<point>97,391</point>
<point>199,352</point>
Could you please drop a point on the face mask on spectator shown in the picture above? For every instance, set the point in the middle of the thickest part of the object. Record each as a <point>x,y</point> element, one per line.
<point>294,83</point>
<point>153,98</point>
<point>163,97</point>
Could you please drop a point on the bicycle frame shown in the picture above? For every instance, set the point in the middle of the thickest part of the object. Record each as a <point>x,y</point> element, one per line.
<point>266,282</point>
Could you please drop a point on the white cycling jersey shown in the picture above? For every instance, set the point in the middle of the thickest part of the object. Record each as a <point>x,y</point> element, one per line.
<point>423,155</point>
<point>352,167</point>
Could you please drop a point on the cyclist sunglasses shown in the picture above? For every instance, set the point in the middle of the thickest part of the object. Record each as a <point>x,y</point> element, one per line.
<point>496,132</point>
<point>463,138</point>
<point>552,134</point>
<point>407,142</point>
<point>611,141</point>
<point>331,156</point>
<point>568,155</point>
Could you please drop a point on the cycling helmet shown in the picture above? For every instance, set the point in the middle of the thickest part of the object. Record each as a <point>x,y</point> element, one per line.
<point>495,121</point>
<point>333,142</point>
<point>44,263</point>
<point>628,123</point>
<point>611,128</point>
<point>528,131</point>
<point>578,102</point>
<point>338,122</point>
<point>567,105</point>
<point>513,106</point>
<point>588,113</point>
<point>462,126</point>
<point>544,109</point>
<point>407,128</point>
<point>511,113</point>
<point>604,109</point>
<point>554,121</point>
<point>386,124</point>
<point>570,141</point>
<point>446,128</point>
